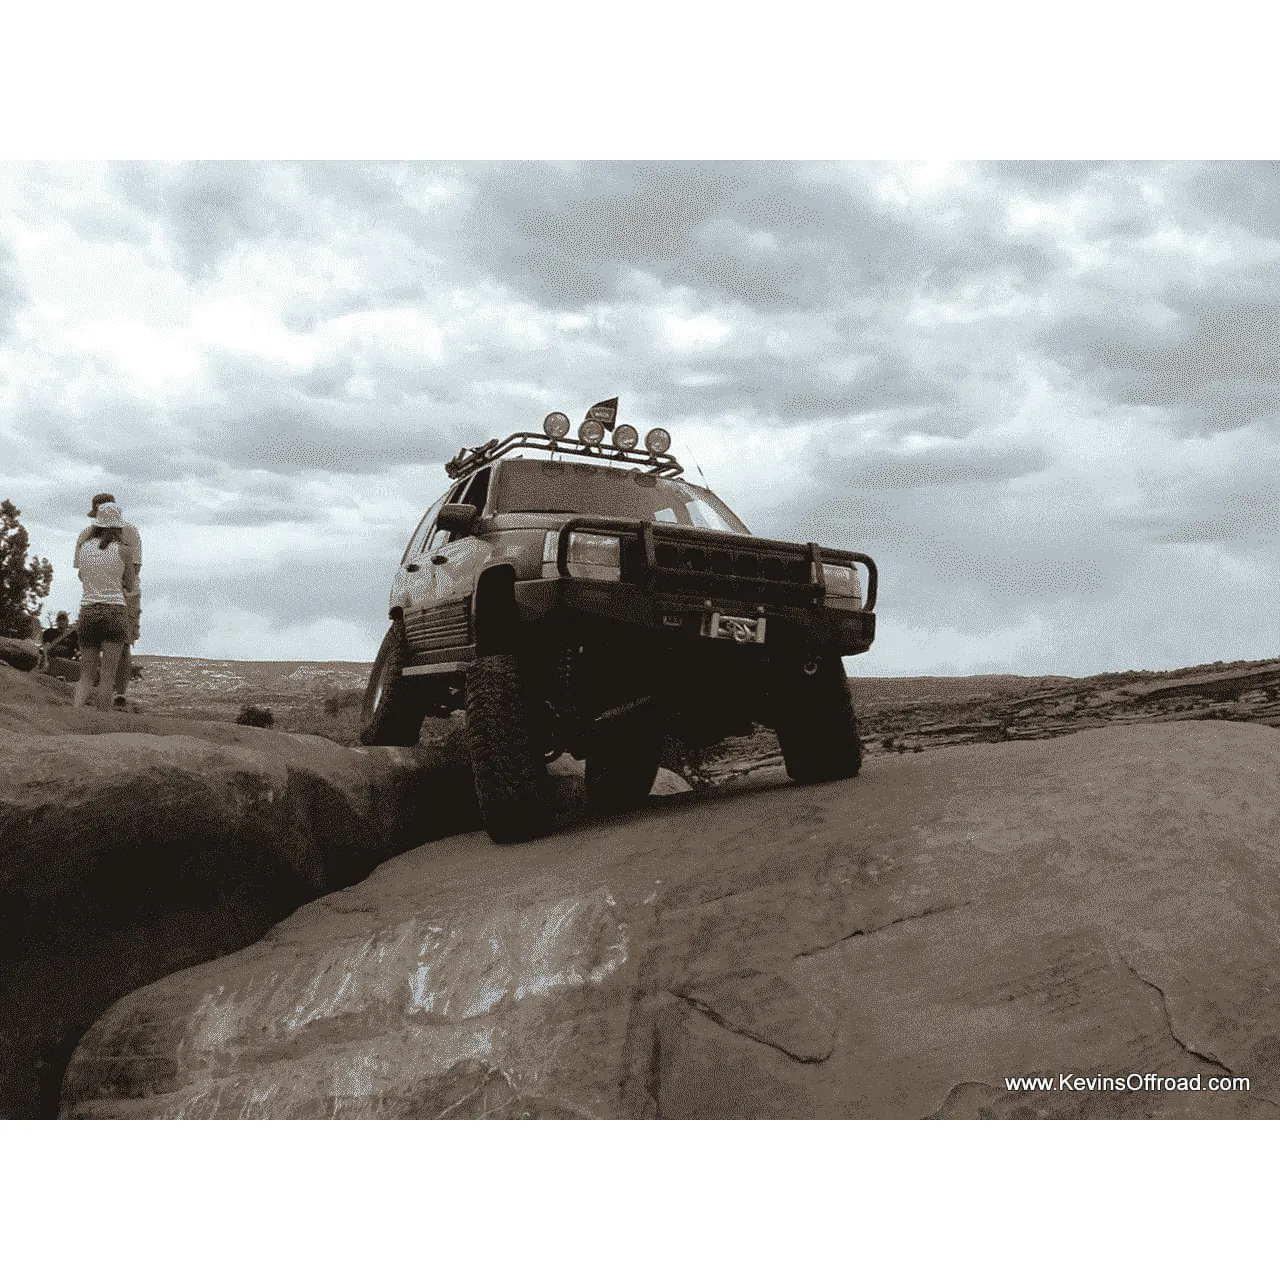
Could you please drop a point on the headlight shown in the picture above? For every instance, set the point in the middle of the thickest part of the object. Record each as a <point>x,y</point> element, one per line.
<point>658,440</point>
<point>556,425</point>
<point>591,431</point>
<point>591,555</point>
<point>626,437</point>
<point>841,580</point>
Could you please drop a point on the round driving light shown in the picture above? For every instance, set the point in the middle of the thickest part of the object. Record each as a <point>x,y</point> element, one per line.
<point>658,440</point>
<point>556,425</point>
<point>591,432</point>
<point>626,437</point>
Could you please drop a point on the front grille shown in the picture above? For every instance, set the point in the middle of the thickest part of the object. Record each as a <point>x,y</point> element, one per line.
<point>761,574</point>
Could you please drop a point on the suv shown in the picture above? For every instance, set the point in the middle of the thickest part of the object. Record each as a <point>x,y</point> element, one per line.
<point>592,601</point>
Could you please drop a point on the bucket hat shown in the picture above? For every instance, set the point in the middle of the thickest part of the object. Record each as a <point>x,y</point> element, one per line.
<point>109,517</point>
<point>97,500</point>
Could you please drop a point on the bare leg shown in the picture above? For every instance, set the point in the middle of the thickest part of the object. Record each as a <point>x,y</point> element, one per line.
<point>123,670</point>
<point>110,662</point>
<point>89,668</point>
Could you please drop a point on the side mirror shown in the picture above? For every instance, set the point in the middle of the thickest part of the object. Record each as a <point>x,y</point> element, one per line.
<point>457,517</point>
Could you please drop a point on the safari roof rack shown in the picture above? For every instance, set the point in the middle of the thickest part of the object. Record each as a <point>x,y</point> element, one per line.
<point>471,460</point>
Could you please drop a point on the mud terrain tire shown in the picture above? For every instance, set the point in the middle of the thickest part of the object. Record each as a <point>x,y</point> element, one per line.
<point>394,708</point>
<point>506,755</point>
<point>816,725</point>
<point>623,763</point>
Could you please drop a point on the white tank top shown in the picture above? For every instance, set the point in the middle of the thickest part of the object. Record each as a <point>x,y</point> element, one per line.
<point>102,573</point>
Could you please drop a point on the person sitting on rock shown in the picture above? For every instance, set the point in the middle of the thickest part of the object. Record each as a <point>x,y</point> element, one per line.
<point>60,635</point>
<point>108,574</point>
<point>59,641</point>
<point>132,542</point>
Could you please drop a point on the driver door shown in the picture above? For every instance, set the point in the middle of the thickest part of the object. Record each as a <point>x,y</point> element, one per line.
<point>457,560</point>
<point>415,585</point>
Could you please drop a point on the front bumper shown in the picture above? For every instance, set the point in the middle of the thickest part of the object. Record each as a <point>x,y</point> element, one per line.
<point>564,600</point>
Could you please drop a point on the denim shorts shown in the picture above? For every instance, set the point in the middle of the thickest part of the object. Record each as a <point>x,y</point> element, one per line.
<point>101,624</point>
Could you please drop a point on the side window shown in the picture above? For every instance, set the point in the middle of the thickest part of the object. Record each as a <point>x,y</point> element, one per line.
<point>438,537</point>
<point>424,528</point>
<point>476,494</point>
<point>423,525</point>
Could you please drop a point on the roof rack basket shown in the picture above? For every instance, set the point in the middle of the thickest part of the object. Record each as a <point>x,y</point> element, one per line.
<point>471,460</point>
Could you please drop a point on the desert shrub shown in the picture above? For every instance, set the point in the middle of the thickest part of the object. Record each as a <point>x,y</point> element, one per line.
<point>336,703</point>
<point>256,717</point>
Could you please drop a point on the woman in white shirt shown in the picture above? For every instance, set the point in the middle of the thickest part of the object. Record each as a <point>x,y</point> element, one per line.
<point>107,571</point>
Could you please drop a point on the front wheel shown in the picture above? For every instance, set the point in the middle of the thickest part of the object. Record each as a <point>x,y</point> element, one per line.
<point>508,758</point>
<point>623,762</point>
<point>394,706</point>
<point>816,726</point>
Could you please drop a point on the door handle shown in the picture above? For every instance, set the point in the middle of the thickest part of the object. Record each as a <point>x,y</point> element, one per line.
<point>412,568</point>
<point>439,559</point>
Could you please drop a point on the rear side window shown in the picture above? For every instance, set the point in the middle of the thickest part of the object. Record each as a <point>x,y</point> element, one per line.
<point>477,493</point>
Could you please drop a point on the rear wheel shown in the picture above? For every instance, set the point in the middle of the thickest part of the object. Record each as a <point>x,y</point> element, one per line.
<point>507,752</point>
<point>815,721</point>
<point>394,706</point>
<point>623,762</point>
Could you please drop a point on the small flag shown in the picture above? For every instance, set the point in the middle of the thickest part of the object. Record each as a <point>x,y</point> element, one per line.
<point>605,413</point>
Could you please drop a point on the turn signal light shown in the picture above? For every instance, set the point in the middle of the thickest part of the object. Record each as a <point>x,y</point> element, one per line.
<point>842,581</point>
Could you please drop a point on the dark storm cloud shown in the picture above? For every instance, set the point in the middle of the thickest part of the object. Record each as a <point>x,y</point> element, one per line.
<point>955,462</point>
<point>1217,364</point>
<point>798,390</point>
<point>1240,195</point>
<point>123,438</point>
<point>774,237</point>
<point>207,209</point>
<point>347,443</point>
<point>1218,512</point>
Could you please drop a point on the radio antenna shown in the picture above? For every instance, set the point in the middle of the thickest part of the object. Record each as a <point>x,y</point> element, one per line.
<point>706,483</point>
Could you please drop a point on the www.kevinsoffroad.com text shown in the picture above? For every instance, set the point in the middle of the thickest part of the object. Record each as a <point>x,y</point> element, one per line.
<point>1134,1082</point>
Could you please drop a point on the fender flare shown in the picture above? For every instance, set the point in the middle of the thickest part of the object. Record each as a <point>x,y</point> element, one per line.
<point>494,619</point>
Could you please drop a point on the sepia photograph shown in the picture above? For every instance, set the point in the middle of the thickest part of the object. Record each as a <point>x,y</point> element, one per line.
<point>626,635</point>
<point>868,710</point>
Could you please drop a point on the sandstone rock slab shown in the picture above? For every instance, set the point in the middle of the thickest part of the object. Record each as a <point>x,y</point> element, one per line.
<point>894,946</point>
<point>131,846</point>
<point>23,655</point>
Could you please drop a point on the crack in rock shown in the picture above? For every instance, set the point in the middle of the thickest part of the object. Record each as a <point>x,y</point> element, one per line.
<point>1168,1018</point>
<point>938,909</point>
<point>735,1028</point>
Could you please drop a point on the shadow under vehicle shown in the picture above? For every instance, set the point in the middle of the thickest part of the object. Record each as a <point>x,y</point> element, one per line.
<point>592,601</point>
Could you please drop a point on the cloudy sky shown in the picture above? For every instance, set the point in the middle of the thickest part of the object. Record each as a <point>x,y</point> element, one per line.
<point>1046,397</point>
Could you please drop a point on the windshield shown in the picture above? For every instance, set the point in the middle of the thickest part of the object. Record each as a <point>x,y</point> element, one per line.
<point>574,488</point>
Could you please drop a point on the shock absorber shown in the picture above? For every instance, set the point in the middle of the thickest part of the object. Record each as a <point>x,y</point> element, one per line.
<point>566,704</point>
